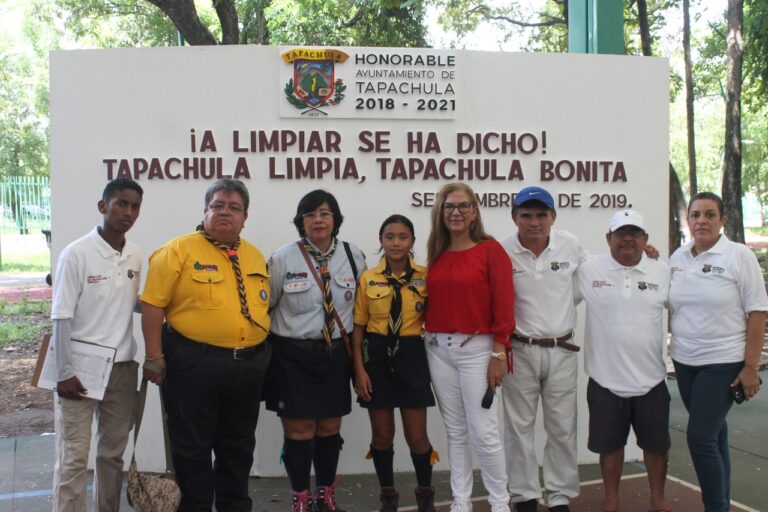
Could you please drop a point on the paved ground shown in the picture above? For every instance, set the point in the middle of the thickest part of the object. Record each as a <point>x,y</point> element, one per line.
<point>26,468</point>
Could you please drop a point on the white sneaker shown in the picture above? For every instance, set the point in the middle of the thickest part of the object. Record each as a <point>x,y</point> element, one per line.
<point>461,506</point>
<point>500,508</point>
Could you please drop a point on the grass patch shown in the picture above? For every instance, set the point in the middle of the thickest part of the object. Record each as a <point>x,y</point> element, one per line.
<point>762,231</point>
<point>25,253</point>
<point>23,323</point>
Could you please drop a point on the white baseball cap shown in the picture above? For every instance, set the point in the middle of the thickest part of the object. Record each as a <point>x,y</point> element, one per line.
<point>626,218</point>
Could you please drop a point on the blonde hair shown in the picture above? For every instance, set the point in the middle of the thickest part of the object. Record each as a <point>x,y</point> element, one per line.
<point>439,237</point>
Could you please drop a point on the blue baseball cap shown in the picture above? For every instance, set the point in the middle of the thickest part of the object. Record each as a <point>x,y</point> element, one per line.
<point>534,194</point>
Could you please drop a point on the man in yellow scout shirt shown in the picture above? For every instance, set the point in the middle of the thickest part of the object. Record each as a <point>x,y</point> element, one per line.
<point>205,322</point>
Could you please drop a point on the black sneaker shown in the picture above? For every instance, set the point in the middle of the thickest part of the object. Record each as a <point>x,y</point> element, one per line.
<point>559,508</point>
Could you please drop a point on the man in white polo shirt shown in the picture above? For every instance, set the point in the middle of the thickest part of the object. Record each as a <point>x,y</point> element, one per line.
<point>95,292</point>
<point>544,262</point>
<point>625,293</point>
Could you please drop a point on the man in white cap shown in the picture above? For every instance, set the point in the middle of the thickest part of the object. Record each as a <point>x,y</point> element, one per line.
<point>625,293</point>
<point>544,262</point>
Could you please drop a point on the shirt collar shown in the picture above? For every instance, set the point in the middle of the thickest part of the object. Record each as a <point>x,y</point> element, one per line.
<point>379,269</point>
<point>612,264</point>
<point>518,248</point>
<point>330,246</point>
<point>718,248</point>
<point>106,250</point>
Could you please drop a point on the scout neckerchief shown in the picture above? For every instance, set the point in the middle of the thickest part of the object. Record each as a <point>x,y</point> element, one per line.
<point>322,262</point>
<point>231,253</point>
<point>395,321</point>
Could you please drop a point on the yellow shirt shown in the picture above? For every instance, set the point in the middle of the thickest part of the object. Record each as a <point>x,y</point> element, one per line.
<point>374,299</point>
<point>195,283</point>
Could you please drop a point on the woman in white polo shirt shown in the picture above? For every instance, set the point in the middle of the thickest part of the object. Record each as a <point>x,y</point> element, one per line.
<point>718,303</point>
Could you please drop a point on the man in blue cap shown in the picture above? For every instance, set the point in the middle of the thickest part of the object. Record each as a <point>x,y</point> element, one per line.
<point>544,262</point>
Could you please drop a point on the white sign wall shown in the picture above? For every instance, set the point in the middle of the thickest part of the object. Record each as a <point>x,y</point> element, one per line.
<point>400,124</point>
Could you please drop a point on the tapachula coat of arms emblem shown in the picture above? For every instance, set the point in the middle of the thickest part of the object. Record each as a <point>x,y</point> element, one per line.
<point>314,83</point>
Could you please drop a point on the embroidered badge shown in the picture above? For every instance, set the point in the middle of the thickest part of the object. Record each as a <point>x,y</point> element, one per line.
<point>295,275</point>
<point>642,285</point>
<point>348,295</point>
<point>601,284</point>
<point>419,306</point>
<point>96,279</point>
<point>557,265</point>
<point>378,283</point>
<point>133,273</point>
<point>707,268</point>
<point>263,295</point>
<point>206,266</point>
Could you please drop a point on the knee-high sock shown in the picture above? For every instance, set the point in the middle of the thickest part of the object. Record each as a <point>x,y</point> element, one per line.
<point>422,464</point>
<point>325,456</point>
<point>382,462</point>
<point>297,457</point>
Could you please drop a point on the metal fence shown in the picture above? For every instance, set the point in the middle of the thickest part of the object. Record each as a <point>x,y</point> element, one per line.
<point>25,204</point>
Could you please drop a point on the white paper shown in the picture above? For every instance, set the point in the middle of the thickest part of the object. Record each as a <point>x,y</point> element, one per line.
<point>92,365</point>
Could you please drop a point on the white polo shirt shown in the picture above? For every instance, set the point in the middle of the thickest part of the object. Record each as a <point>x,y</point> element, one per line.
<point>544,285</point>
<point>624,340</point>
<point>296,301</point>
<point>709,298</point>
<point>96,287</point>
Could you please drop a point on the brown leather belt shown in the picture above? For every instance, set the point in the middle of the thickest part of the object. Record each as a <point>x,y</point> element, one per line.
<point>562,341</point>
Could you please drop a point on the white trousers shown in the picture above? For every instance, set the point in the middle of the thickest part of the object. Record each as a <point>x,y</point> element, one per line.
<point>460,379</point>
<point>550,374</point>
<point>114,416</point>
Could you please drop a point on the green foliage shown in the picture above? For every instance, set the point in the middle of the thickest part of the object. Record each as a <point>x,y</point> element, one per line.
<point>346,23</point>
<point>113,23</point>
<point>24,106</point>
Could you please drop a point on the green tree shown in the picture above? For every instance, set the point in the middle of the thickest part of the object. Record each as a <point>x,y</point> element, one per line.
<point>24,104</point>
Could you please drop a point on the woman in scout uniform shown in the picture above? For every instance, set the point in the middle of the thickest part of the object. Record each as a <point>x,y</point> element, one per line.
<point>390,362</point>
<point>314,282</point>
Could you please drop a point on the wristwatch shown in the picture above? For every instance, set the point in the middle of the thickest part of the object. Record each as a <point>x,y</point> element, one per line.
<point>501,356</point>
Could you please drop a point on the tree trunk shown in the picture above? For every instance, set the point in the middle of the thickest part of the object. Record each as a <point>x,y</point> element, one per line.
<point>677,207</point>
<point>184,17</point>
<point>689,98</point>
<point>677,211</point>
<point>227,13</point>
<point>731,190</point>
<point>645,30</point>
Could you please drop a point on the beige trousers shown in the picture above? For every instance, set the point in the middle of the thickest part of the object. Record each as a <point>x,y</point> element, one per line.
<point>114,420</point>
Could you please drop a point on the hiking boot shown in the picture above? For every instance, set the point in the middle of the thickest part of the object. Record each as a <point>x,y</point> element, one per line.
<point>325,500</point>
<point>425,499</point>
<point>389,499</point>
<point>301,502</point>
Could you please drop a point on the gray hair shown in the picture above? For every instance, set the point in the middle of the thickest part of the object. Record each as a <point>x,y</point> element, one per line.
<point>229,186</point>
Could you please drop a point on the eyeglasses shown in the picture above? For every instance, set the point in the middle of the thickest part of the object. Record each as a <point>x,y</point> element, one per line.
<point>630,232</point>
<point>220,207</point>
<point>448,208</point>
<point>323,214</point>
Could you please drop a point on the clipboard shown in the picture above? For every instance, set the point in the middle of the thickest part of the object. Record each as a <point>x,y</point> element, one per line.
<point>92,364</point>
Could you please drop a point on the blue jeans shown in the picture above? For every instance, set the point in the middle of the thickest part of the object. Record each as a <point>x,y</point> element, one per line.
<point>705,393</point>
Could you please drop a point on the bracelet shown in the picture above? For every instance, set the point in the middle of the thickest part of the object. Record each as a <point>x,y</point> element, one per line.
<point>752,367</point>
<point>161,356</point>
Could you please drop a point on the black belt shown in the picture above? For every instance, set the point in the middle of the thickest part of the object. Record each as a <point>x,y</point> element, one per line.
<point>549,342</point>
<point>309,345</point>
<point>236,353</point>
<point>374,336</point>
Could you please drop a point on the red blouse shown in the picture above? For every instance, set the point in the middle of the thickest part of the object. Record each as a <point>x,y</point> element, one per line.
<point>472,292</point>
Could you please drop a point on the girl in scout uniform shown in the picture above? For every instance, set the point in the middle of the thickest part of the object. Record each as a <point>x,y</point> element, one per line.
<point>390,361</point>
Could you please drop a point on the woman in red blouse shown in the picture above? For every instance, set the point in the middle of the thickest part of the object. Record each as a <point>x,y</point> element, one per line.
<point>468,323</point>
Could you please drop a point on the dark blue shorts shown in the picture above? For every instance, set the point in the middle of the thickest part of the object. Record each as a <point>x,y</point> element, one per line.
<point>610,417</point>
